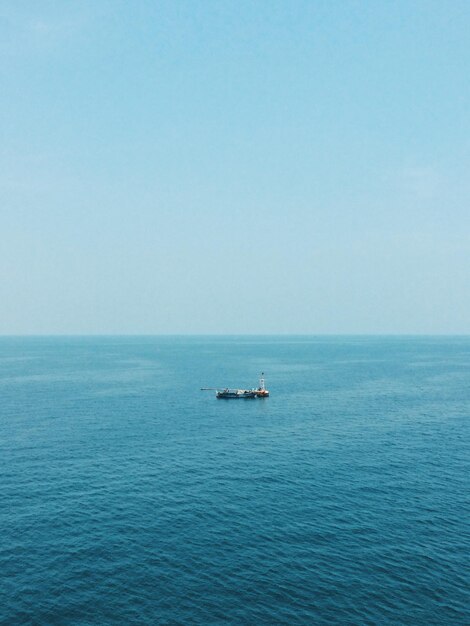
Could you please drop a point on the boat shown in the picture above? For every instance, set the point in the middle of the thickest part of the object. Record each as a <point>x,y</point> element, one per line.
<point>228,394</point>
<point>236,394</point>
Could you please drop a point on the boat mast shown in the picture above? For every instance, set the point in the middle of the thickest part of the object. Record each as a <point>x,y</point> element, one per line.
<point>261,382</point>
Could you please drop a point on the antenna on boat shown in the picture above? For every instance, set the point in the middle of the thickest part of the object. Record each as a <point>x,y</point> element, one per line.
<point>261,382</point>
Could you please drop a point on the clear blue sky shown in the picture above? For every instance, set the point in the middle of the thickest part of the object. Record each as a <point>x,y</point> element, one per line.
<point>234,167</point>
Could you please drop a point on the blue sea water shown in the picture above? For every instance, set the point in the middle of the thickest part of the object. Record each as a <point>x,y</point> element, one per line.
<point>128,496</point>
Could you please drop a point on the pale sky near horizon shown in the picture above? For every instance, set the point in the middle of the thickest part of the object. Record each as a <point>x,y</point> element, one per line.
<point>234,167</point>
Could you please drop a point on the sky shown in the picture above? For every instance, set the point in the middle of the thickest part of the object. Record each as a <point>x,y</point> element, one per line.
<point>234,167</point>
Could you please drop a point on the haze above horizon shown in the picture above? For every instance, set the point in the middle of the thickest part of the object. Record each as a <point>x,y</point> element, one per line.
<point>234,168</point>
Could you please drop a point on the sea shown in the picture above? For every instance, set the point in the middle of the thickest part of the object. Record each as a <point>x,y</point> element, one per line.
<point>129,496</point>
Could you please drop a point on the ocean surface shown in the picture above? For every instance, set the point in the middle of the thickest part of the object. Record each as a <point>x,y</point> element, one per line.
<point>129,496</point>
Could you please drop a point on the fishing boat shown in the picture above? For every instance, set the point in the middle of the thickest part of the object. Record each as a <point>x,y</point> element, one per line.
<point>229,394</point>
<point>236,394</point>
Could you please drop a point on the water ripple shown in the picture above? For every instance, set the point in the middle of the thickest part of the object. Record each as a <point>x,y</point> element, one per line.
<point>130,497</point>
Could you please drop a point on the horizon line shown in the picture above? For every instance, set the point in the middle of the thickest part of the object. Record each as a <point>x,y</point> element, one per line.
<point>330,334</point>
